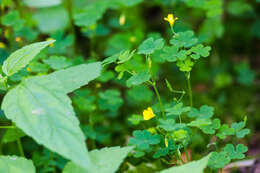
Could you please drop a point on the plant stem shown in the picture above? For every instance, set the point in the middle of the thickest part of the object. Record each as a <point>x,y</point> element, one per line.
<point>7,127</point>
<point>159,99</point>
<point>20,147</point>
<point>187,75</point>
<point>186,154</point>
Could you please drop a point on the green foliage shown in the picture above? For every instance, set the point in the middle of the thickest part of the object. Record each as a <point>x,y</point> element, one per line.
<point>20,58</point>
<point>149,45</point>
<point>14,164</point>
<point>13,19</point>
<point>204,112</point>
<point>105,160</point>
<point>138,78</point>
<point>143,139</point>
<point>184,39</point>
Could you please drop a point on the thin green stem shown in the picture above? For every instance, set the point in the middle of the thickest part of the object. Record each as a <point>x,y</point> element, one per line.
<point>7,127</point>
<point>20,147</point>
<point>159,99</point>
<point>186,154</point>
<point>189,87</point>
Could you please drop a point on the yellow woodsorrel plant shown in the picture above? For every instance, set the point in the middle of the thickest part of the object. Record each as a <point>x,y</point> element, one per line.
<point>169,126</point>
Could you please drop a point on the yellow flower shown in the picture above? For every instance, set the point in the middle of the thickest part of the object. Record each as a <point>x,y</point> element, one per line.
<point>148,114</point>
<point>171,19</point>
<point>166,142</point>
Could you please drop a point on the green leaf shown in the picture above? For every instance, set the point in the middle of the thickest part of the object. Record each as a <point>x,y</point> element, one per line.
<point>200,123</point>
<point>199,51</point>
<point>238,127</point>
<point>58,62</point>
<point>125,56</point>
<point>20,58</point>
<point>177,109</point>
<point>211,129</point>
<point>12,135</point>
<point>143,139</point>
<point>204,112</point>
<point>225,131</point>
<point>236,154</point>
<point>135,119</point>
<point>173,54</point>
<point>14,164</point>
<point>194,167</point>
<point>110,59</point>
<point>184,39</point>
<point>51,19</point>
<point>149,45</point>
<point>218,160</point>
<point>41,3</point>
<point>13,19</point>
<point>40,107</point>
<point>105,160</point>
<point>185,66</point>
<point>168,124</point>
<point>138,78</point>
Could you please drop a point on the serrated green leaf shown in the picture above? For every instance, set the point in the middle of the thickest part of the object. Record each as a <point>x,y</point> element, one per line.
<point>184,39</point>
<point>194,167</point>
<point>138,78</point>
<point>143,139</point>
<point>236,154</point>
<point>105,160</point>
<point>20,58</point>
<point>40,107</point>
<point>14,164</point>
<point>149,45</point>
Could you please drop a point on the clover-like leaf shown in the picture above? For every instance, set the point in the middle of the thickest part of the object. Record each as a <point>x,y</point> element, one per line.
<point>225,131</point>
<point>177,109</point>
<point>149,45</point>
<point>211,129</point>
<point>204,112</point>
<point>237,153</point>
<point>172,54</point>
<point>199,51</point>
<point>143,139</point>
<point>138,78</point>
<point>218,160</point>
<point>238,127</point>
<point>186,65</point>
<point>184,39</point>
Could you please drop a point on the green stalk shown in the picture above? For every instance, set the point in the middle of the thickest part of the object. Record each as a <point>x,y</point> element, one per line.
<point>159,99</point>
<point>189,87</point>
<point>7,127</point>
<point>20,147</point>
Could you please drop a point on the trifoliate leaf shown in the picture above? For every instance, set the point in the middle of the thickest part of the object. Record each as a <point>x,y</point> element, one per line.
<point>184,39</point>
<point>170,53</point>
<point>238,127</point>
<point>199,51</point>
<point>236,154</point>
<point>185,66</point>
<point>143,139</point>
<point>218,160</point>
<point>204,112</point>
<point>138,78</point>
<point>194,167</point>
<point>149,45</point>
<point>211,129</point>
<point>14,164</point>
<point>177,109</point>
<point>225,131</point>
<point>135,119</point>
<point>180,135</point>
<point>105,160</point>
<point>13,19</point>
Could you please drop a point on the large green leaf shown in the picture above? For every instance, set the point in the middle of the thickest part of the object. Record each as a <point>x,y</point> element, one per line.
<point>106,160</point>
<point>14,164</point>
<point>41,3</point>
<point>20,58</point>
<point>194,167</point>
<point>40,107</point>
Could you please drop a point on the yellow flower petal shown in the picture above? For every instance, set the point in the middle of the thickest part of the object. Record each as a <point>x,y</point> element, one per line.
<point>148,114</point>
<point>171,19</point>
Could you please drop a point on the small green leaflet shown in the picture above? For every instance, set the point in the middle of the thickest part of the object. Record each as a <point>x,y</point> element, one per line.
<point>143,139</point>
<point>105,160</point>
<point>184,39</point>
<point>20,58</point>
<point>200,51</point>
<point>237,153</point>
<point>218,160</point>
<point>138,78</point>
<point>13,19</point>
<point>149,45</point>
<point>135,119</point>
<point>204,112</point>
<point>177,109</point>
<point>41,108</point>
<point>238,127</point>
<point>225,131</point>
<point>14,164</point>
<point>194,167</point>
<point>211,129</point>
